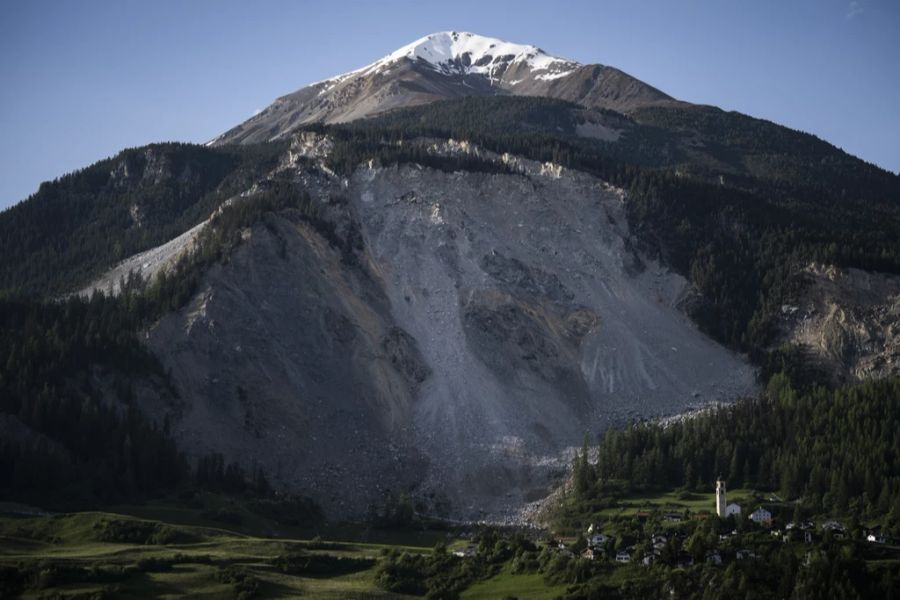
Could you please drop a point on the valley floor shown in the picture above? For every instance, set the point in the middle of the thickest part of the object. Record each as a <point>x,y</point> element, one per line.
<point>104,554</point>
<point>112,555</point>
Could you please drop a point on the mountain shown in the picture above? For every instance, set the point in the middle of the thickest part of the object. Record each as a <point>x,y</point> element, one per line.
<point>445,65</point>
<point>511,251</point>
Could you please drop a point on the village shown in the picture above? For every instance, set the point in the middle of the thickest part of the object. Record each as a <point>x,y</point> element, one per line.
<point>669,540</point>
<point>685,537</point>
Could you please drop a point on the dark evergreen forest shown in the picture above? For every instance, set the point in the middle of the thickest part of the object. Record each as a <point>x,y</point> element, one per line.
<point>834,450</point>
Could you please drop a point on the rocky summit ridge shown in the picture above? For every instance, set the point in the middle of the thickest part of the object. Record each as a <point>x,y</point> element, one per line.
<point>445,65</point>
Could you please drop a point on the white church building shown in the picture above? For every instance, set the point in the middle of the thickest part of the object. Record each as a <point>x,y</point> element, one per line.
<point>723,509</point>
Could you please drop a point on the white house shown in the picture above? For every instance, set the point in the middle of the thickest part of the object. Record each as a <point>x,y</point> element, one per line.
<point>598,539</point>
<point>623,557</point>
<point>761,516</point>
<point>732,509</point>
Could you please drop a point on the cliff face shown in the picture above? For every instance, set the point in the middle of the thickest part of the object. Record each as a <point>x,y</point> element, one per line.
<point>483,324</point>
<point>847,321</point>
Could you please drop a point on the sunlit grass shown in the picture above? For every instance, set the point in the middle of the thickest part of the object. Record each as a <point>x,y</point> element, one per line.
<point>678,501</point>
<point>72,541</point>
<point>506,584</point>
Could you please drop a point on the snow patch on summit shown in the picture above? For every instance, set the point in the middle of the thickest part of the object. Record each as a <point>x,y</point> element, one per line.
<point>466,53</point>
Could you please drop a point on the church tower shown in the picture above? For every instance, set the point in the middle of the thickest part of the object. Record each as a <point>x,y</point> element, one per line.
<point>720,498</point>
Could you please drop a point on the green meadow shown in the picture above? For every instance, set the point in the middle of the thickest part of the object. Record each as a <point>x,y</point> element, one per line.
<point>99,554</point>
<point>679,501</point>
<point>529,586</point>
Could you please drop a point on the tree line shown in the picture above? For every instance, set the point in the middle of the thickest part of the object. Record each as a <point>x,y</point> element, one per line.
<point>834,450</point>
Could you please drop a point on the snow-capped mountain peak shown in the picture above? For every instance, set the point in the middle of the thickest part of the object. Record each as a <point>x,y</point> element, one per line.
<point>463,53</point>
<point>440,66</point>
<point>471,53</point>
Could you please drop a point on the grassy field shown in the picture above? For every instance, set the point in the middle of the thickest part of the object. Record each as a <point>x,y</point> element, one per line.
<point>93,555</point>
<point>249,522</point>
<point>96,554</point>
<point>676,501</point>
<point>505,585</point>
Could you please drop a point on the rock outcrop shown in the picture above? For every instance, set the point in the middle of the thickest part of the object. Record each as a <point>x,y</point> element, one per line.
<point>847,322</point>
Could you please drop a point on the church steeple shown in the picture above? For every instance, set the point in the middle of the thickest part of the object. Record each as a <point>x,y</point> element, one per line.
<point>720,498</point>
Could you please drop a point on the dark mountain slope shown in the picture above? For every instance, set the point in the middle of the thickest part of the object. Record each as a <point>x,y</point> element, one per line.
<point>76,226</point>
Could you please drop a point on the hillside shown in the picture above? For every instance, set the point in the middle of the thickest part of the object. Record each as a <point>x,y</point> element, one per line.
<point>437,301</point>
<point>84,222</point>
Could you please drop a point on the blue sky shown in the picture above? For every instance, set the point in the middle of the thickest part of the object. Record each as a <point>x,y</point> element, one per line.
<point>79,81</point>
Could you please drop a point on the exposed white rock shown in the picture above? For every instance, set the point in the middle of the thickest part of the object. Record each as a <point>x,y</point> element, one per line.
<point>145,265</point>
<point>488,322</point>
<point>537,321</point>
<point>847,321</point>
